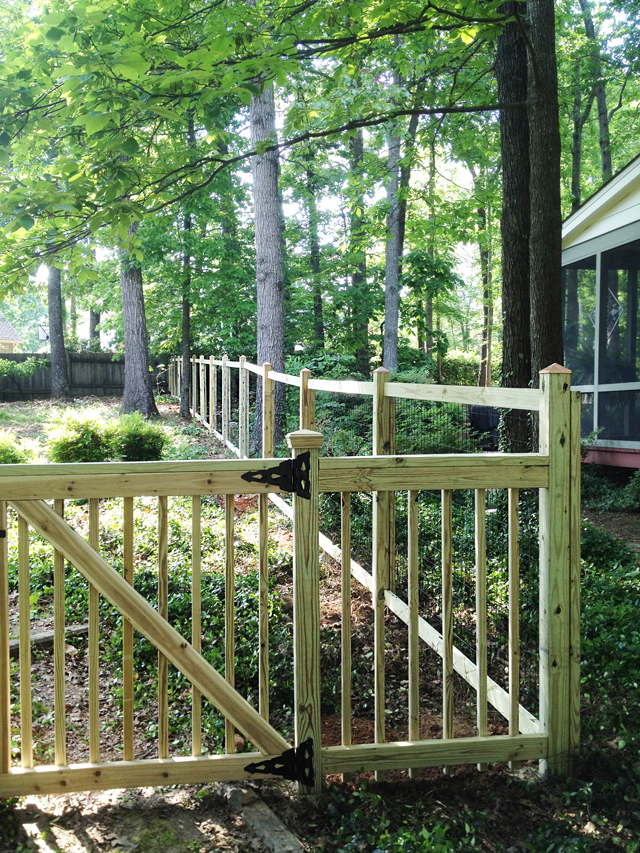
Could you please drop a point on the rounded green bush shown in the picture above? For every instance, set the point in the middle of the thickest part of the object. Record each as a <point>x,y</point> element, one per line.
<point>138,440</point>
<point>11,451</point>
<point>80,438</point>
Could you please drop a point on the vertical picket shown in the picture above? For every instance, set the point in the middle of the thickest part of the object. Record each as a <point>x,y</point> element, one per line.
<point>345,545</point>
<point>514,618</point>
<point>414,637</point>
<point>24,615</point>
<point>127,637</point>
<point>268,413</point>
<point>447,618</point>
<point>196,617</point>
<point>243,407</point>
<point>229,611</point>
<point>60,724</point>
<point>163,610</point>
<point>94,641</point>
<point>213,395</point>
<point>481,613</point>
<point>5,664</point>
<point>226,400</point>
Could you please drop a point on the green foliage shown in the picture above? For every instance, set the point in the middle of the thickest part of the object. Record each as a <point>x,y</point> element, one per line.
<point>137,440</point>
<point>80,437</point>
<point>11,449</point>
<point>22,368</point>
<point>600,492</point>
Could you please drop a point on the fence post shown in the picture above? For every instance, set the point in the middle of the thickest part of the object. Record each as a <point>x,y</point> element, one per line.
<point>556,703</point>
<point>194,386</point>
<point>213,395</point>
<point>307,401</point>
<point>203,396</point>
<point>267,413</point>
<point>383,434</point>
<point>5,665</point>
<point>306,605</point>
<point>243,436</point>
<point>226,402</point>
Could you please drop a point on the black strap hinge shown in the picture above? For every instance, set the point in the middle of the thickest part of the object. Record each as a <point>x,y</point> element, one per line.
<point>3,534</point>
<point>291,475</point>
<point>295,764</point>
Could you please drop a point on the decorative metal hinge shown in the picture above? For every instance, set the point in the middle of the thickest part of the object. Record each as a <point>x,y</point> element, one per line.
<point>294,764</point>
<point>291,475</point>
<point>3,534</point>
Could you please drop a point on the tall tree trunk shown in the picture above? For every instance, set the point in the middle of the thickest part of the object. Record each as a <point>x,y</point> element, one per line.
<point>484,248</point>
<point>269,246</point>
<point>392,257</point>
<point>59,377</point>
<point>428,301</point>
<point>545,243</point>
<point>94,332</point>
<point>73,317</point>
<point>599,86</point>
<point>185,381</point>
<point>511,75</point>
<point>314,255</point>
<point>359,300</point>
<point>138,396</point>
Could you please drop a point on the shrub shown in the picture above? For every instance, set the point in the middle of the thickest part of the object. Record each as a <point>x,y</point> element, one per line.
<point>79,437</point>
<point>137,440</point>
<point>11,451</point>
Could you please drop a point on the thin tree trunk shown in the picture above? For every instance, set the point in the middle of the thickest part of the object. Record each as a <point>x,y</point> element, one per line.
<point>185,382</point>
<point>359,300</point>
<point>599,86</point>
<point>60,387</point>
<point>269,247</point>
<point>73,315</point>
<point>94,332</point>
<point>314,257</point>
<point>484,376</point>
<point>137,396</point>
<point>545,249</point>
<point>428,302</point>
<point>392,257</point>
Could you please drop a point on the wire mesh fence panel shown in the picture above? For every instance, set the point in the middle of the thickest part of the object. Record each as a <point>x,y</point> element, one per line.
<point>346,423</point>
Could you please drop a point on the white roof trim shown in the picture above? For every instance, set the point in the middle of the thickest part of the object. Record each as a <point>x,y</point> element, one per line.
<point>625,182</point>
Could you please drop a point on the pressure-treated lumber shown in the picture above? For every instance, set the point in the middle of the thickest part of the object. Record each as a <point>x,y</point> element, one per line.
<point>44,639</point>
<point>253,368</point>
<point>163,610</point>
<point>306,605</point>
<point>213,395</point>
<point>263,605</point>
<point>509,398</point>
<point>149,622</point>
<point>268,413</point>
<point>94,641</point>
<point>194,388</point>
<point>243,410</point>
<point>182,770</point>
<point>5,665</point>
<point>414,616</point>
<point>229,611</point>
<point>342,386</point>
<point>127,635</point>
<point>24,617</point>
<point>555,568</point>
<point>226,399</point>
<point>514,614</point>
<point>284,378</point>
<point>196,618</point>
<point>307,401</point>
<point>59,701</point>
<point>480,528</point>
<point>574,630</point>
<point>442,471</point>
<point>447,618</point>
<point>345,593</point>
<point>208,477</point>
<point>432,753</point>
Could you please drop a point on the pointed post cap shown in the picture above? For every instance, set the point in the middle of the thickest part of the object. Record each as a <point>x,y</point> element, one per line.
<point>381,370</point>
<point>555,368</point>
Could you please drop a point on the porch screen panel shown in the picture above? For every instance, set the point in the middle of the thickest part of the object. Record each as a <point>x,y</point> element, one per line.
<point>618,331</point>
<point>579,319</point>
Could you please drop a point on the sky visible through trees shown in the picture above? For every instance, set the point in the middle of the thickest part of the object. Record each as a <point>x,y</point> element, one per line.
<point>309,177</point>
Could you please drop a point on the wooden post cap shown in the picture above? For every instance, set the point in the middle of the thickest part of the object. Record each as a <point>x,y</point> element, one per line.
<point>305,370</point>
<point>304,439</point>
<point>555,368</point>
<point>381,370</point>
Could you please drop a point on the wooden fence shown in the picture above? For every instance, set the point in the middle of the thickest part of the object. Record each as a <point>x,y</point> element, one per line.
<point>553,738</point>
<point>90,374</point>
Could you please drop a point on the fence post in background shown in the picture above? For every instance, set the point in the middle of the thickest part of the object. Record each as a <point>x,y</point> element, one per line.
<point>243,410</point>
<point>203,395</point>
<point>381,545</point>
<point>307,401</point>
<point>226,402</point>
<point>213,394</point>
<point>306,606</point>
<point>5,664</point>
<point>555,569</point>
<point>194,386</point>
<point>267,413</point>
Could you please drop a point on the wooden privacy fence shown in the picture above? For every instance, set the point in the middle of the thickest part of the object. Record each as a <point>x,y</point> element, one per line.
<point>552,737</point>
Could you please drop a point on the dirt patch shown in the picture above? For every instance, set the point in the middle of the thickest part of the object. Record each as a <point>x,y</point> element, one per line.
<point>624,525</point>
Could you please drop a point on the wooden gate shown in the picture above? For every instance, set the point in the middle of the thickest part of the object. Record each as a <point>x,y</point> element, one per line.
<point>552,738</point>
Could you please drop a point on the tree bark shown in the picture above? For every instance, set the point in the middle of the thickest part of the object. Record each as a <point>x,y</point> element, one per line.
<point>314,256</point>
<point>138,396</point>
<point>392,257</point>
<point>358,300</point>
<point>60,387</point>
<point>484,248</point>
<point>545,243</point>
<point>94,332</point>
<point>269,246</point>
<point>599,87</point>
<point>185,381</point>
